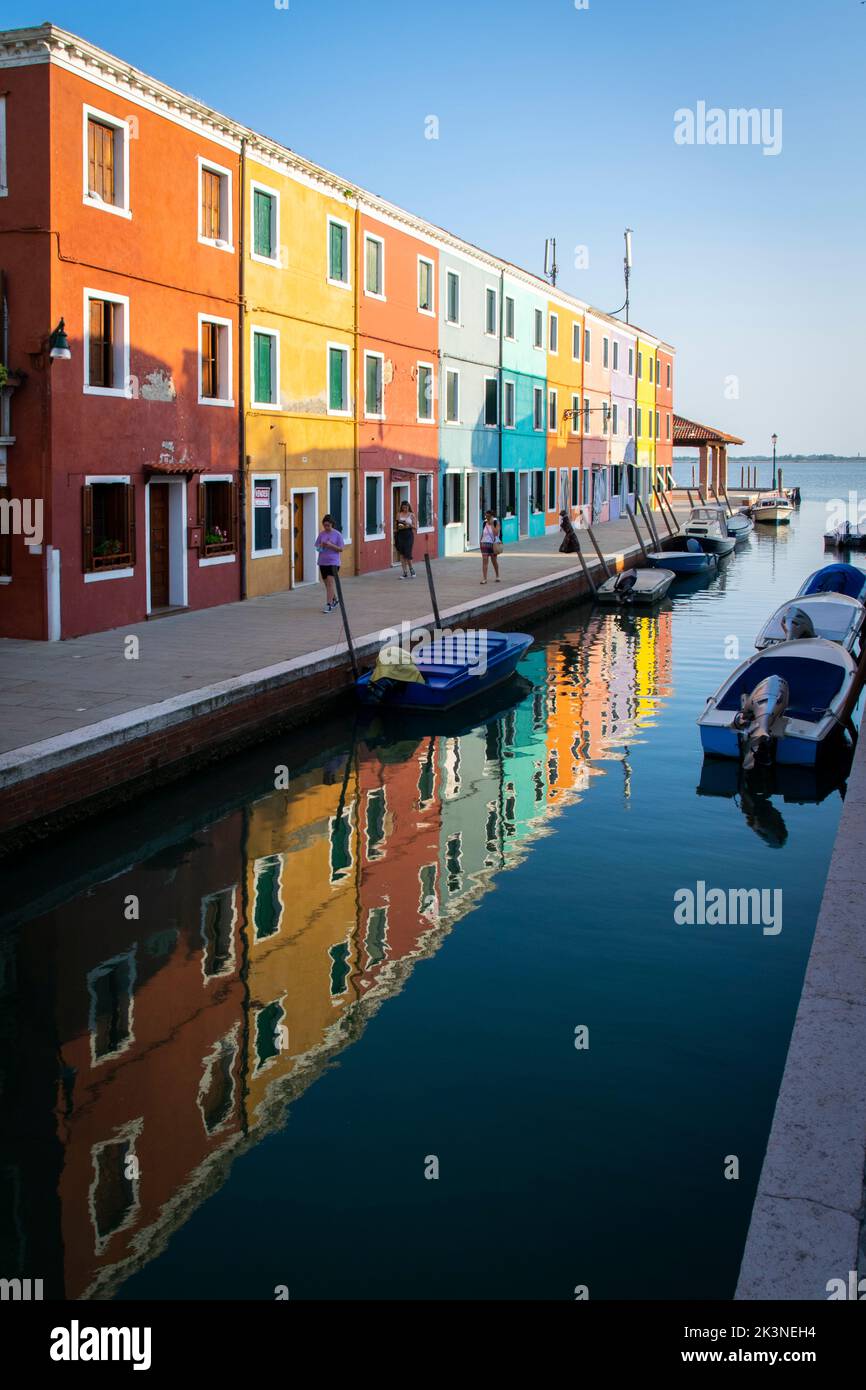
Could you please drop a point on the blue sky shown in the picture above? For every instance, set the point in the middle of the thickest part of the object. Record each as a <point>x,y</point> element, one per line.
<point>555,121</point>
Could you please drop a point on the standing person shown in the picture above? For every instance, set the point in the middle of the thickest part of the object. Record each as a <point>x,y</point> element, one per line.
<point>329,544</point>
<point>491,546</point>
<point>404,539</point>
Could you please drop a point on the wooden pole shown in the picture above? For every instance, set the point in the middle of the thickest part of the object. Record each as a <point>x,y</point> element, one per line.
<point>689,496</point>
<point>660,496</point>
<point>598,552</point>
<point>637,533</point>
<point>853,695</point>
<point>728,500</point>
<point>432,590</point>
<point>585,567</point>
<point>346,629</point>
<point>673,516</point>
<point>742,477</point>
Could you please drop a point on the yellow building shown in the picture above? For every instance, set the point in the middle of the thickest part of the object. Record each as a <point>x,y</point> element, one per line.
<point>645,425</point>
<point>564,414</point>
<point>298,355</point>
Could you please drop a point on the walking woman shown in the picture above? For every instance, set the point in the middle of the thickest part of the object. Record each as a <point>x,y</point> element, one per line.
<point>329,544</point>
<point>404,539</point>
<point>491,546</point>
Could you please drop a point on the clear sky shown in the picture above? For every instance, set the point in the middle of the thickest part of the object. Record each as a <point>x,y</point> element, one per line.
<point>559,121</point>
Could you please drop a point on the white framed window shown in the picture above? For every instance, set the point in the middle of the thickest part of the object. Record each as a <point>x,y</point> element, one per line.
<point>338,379</point>
<point>615,355</point>
<point>587,344</point>
<point>658,425</point>
<point>537,408</point>
<point>426,389</point>
<point>339,498</point>
<point>374,266</point>
<point>658,371</point>
<point>551,489</point>
<point>615,410</point>
<point>553,333</point>
<point>491,326</point>
<point>575,342</point>
<point>374,387</point>
<point>452,296</point>
<point>338,253</point>
<point>668,428</point>
<point>640,366</point>
<point>216,511</point>
<point>575,414</point>
<point>630,421</point>
<point>4,176</point>
<point>508,413</point>
<point>106,161</point>
<point>552,412</point>
<point>214,205</point>
<point>669,375</point>
<point>214,361</point>
<point>605,352</point>
<point>587,416</point>
<point>649,424</point>
<point>452,396</point>
<point>509,318</point>
<point>491,402</point>
<point>108,527</point>
<point>426,282</point>
<point>452,499</point>
<point>538,328</point>
<point>374,511</point>
<point>605,416</point>
<point>266,539</point>
<point>106,343</point>
<point>265,367</point>
<point>639,422</point>
<point>425,501</point>
<point>264,223</point>
<point>631,361</point>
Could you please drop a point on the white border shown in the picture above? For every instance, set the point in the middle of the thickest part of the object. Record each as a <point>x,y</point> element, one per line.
<point>375,535</point>
<point>428,260</point>
<point>374,294</point>
<point>431,418</point>
<point>486,424</point>
<point>123,300</point>
<point>505,385</point>
<point>446,418</point>
<point>494,290</point>
<point>119,125</point>
<point>224,323</point>
<point>275,507</point>
<point>552,318</point>
<point>207,560</point>
<point>257,187</point>
<point>221,243</point>
<point>453,323</point>
<point>368,415</point>
<point>274,333</point>
<point>347,351</point>
<point>340,284</point>
<point>347,479</point>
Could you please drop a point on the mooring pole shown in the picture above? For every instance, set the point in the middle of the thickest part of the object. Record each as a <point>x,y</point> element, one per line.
<point>345,618</point>
<point>643,550</point>
<point>667,502</point>
<point>689,496</point>
<point>598,552</point>
<point>660,496</point>
<point>585,567</point>
<point>432,591</point>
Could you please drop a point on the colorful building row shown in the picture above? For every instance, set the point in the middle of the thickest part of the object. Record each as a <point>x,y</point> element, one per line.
<point>248,343</point>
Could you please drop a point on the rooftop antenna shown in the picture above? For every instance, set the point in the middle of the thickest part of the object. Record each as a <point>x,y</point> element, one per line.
<point>551,269</point>
<point>627,268</point>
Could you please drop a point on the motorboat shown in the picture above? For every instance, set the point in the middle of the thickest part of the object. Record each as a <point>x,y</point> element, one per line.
<point>708,525</point>
<point>845,537</point>
<point>442,669</point>
<point>775,510</point>
<point>838,578</point>
<point>636,586</point>
<point>780,705</point>
<point>692,559</point>
<point>835,617</point>
<point>740,525</point>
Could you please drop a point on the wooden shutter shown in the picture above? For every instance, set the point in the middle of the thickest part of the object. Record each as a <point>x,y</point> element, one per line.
<point>262,365</point>
<point>262,217</point>
<point>335,385</point>
<point>87,528</point>
<point>235,522</point>
<point>129,520</point>
<point>209,371</point>
<point>100,160</point>
<point>210,204</point>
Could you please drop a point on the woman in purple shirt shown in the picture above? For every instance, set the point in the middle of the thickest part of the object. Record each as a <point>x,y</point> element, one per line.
<point>329,544</point>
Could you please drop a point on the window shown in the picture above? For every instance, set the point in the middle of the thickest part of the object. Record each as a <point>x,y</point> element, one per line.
<point>452,500</point>
<point>267,904</point>
<point>266,510</point>
<point>552,412</point>
<point>217,515</point>
<point>490,324</point>
<point>605,416</point>
<point>631,361</point>
<point>338,252</point>
<point>605,351</point>
<point>658,372</point>
<point>374,515</point>
<point>106,333</point>
<point>452,296</point>
<point>4,177</point>
<point>266,367</point>
<point>214,361</point>
<point>658,425</point>
<point>649,424</point>
<point>551,490</point>
<point>509,317</point>
<point>575,414</point>
<point>587,344</point>
<point>669,375</point>
<point>425,501</point>
<point>639,421</point>
<point>374,266</point>
<point>108,525</point>
<point>536,482</point>
<point>491,401</point>
<point>575,341</point>
<point>425,391</point>
<point>111,987</point>
<point>586,417</point>
<point>218,918</point>
<point>266,224</point>
<point>615,418</point>
<point>615,355</point>
<point>106,161</point>
<point>425,285</point>
<point>374,403</point>
<point>508,405</point>
<point>553,333</point>
<point>537,408</point>
<point>214,205</point>
<point>538,328</point>
<point>640,366</point>
<point>338,379</point>
<point>509,493</point>
<point>338,503</point>
<point>452,396</point>
<point>575,487</point>
<point>630,422</point>
<point>268,1025</point>
<point>668,428</point>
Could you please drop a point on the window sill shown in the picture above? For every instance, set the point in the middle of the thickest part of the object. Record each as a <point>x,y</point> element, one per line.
<point>119,392</point>
<point>425,530</point>
<point>377,418</point>
<point>5,578</point>
<point>102,206</point>
<point>273,261</point>
<point>217,560</point>
<point>94,576</point>
<point>377,536</point>
<point>266,554</point>
<point>340,414</point>
<point>339,284</point>
<point>217,245</point>
<point>424,420</point>
<point>431,313</point>
<point>371,294</point>
<point>214,400</point>
<point>265,405</point>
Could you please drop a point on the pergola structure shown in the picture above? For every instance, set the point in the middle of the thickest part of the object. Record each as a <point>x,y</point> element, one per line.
<point>712,445</point>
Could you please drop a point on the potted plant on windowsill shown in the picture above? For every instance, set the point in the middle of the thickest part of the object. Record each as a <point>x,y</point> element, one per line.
<point>109,555</point>
<point>217,542</point>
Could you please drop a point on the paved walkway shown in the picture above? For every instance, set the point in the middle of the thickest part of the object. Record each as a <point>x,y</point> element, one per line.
<point>52,688</point>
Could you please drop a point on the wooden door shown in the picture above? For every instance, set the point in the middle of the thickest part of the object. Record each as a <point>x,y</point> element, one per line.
<point>159,590</point>
<point>298,574</point>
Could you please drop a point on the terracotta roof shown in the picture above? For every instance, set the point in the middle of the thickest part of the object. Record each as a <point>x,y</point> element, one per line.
<point>690,432</point>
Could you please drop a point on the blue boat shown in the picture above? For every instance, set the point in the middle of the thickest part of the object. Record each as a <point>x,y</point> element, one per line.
<point>451,669</point>
<point>836,579</point>
<point>692,560</point>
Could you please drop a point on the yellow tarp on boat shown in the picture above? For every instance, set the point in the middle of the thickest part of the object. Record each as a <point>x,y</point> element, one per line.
<point>401,670</point>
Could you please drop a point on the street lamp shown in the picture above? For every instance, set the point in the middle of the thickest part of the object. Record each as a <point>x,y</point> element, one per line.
<point>775,441</point>
<point>58,343</point>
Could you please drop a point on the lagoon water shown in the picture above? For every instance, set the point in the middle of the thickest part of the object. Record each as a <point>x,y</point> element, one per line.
<point>324,1037</point>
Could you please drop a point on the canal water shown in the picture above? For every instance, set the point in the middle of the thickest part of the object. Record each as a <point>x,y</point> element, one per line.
<point>418,1021</point>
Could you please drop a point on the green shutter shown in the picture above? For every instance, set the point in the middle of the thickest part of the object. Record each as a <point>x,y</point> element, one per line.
<point>336,399</point>
<point>262,223</point>
<point>262,367</point>
<point>337,269</point>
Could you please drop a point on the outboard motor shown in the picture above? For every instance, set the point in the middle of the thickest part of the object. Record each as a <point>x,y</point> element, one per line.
<point>625,583</point>
<point>758,720</point>
<point>796,624</point>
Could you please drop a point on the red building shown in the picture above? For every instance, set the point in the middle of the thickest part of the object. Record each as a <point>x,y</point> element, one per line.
<point>664,424</point>
<point>120,219</point>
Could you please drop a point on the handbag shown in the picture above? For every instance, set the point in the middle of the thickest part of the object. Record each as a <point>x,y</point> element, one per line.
<point>498,547</point>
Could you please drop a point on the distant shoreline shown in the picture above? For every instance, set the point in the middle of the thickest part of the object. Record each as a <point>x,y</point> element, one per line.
<point>780,458</point>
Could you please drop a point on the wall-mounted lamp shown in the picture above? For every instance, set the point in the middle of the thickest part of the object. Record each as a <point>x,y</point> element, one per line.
<point>58,343</point>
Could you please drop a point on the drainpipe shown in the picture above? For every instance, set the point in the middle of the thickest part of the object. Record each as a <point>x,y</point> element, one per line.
<point>242,395</point>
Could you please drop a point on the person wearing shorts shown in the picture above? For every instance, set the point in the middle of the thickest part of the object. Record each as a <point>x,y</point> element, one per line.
<point>329,544</point>
<point>490,545</point>
<point>404,540</point>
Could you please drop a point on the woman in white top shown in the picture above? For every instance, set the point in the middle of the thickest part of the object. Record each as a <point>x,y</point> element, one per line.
<point>491,544</point>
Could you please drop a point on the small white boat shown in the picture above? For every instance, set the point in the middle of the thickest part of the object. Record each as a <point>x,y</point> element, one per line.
<point>635,586</point>
<point>707,525</point>
<point>835,617</point>
<point>774,510</point>
<point>779,705</point>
